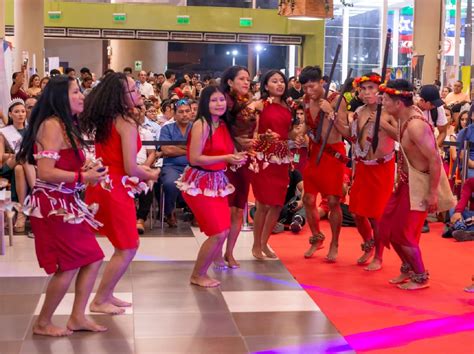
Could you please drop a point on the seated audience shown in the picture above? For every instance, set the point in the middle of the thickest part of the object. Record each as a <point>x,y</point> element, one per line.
<point>175,159</point>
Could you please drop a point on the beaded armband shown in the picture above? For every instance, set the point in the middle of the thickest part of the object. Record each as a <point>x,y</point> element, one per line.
<point>47,154</point>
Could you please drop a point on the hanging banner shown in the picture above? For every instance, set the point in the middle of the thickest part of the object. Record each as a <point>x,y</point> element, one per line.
<point>399,72</point>
<point>466,78</point>
<point>417,70</point>
<point>451,75</point>
<point>6,72</point>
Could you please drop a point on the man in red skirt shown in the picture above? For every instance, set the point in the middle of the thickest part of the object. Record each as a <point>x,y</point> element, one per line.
<point>327,176</point>
<point>401,223</point>
<point>374,170</point>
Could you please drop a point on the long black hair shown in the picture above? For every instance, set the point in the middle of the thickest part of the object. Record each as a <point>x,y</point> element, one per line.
<point>53,101</point>
<point>203,112</point>
<point>235,107</point>
<point>103,104</point>
<point>264,92</point>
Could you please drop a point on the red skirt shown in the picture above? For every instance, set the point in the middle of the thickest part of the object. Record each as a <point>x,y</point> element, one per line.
<point>399,224</point>
<point>270,185</point>
<point>116,212</point>
<point>371,189</point>
<point>240,179</point>
<point>211,213</point>
<point>62,246</point>
<point>327,177</point>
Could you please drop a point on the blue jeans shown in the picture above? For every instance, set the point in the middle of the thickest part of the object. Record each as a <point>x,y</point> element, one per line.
<point>466,214</point>
<point>168,177</point>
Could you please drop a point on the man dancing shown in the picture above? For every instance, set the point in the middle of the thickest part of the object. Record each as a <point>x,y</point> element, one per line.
<point>327,176</point>
<point>374,171</point>
<point>401,223</point>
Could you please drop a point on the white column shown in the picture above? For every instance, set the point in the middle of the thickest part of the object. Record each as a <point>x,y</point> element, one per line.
<point>345,42</point>
<point>291,60</point>
<point>396,37</point>
<point>28,15</point>
<point>383,31</point>
<point>457,36</point>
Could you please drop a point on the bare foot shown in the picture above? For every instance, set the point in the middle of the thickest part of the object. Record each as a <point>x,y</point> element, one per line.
<point>120,303</point>
<point>332,255</point>
<point>313,248</point>
<point>231,262</point>
<point>107,308</point>
<point>376,264</point>
<point>411,285</point>
<point>205,281</point>
<point>470,288</point>
<point>258,254</point>
<point>402,278</point>
<point>267,251</point>
<point>51,330</point>
<point>219,263</point>
<point>365,257</point>
<point>84,325</point>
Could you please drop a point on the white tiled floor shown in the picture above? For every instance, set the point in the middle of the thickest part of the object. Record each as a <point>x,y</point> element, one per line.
<point>65,307</point>
<point>269,301</point>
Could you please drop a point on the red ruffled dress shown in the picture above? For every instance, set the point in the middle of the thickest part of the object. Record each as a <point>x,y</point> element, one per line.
<point>205,189</point>
<point>270,177</point>
<point>116,204</point>
<point>60,220</point>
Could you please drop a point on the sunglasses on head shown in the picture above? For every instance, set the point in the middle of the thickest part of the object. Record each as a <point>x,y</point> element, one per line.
<point>182,102</point>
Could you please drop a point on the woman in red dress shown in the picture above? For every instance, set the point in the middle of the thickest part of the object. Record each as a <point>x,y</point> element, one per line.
<point>235,82</point>
<point>111,116</point>
<point>65,244</point>
<point>271,162</point>
<point>204,184</point>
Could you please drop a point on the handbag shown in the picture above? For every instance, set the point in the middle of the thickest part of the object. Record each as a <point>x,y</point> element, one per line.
<point>419,184</point>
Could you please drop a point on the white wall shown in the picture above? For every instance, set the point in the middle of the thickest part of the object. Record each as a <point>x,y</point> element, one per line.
<point>78,52</point>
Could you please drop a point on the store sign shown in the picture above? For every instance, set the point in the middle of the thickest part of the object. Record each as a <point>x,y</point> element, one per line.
<point>138,65</point>
<point>448,46</point>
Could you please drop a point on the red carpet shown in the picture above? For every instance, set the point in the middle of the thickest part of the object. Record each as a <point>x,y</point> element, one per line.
<point>375,316</point>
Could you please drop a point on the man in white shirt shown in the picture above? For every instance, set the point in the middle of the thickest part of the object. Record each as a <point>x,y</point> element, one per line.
<point>146,89</point>
<point>432,106</point>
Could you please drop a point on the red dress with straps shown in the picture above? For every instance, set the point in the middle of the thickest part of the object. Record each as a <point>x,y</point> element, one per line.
<point>62,245</point>
<point>205,189</point>
<point>270,178</point>
<point>327,177</point>
<point>116,207</point>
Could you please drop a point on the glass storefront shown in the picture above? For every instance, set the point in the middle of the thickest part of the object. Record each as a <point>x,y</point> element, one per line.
<point>359,28</point>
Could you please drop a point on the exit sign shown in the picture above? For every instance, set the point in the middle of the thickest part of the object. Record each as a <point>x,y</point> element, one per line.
<point>54,15</point>
<point>120,17</point>
<point>246,22</point>
<point>182,20</point>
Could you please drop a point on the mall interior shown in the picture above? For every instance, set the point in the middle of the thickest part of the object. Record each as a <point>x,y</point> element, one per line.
<point>283,304</point>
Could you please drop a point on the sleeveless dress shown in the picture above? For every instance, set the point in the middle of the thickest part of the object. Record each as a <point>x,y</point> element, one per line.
<point>205,189</point>
<point>244,125</point>
<point>270,178</point>
<point>117,206</point>
<point>61,221</point>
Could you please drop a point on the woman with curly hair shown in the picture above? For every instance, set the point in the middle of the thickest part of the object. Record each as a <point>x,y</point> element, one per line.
<point>110,114</point>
